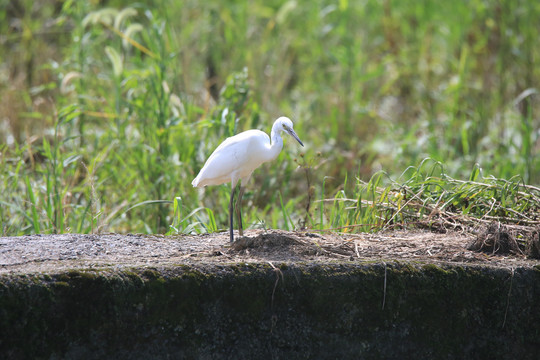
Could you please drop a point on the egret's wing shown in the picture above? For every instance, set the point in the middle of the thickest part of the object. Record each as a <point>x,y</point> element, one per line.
<point>237,154</point>
<point>234,146</point>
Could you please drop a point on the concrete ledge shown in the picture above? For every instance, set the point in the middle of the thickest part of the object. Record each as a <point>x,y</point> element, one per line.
<point>300,310</point>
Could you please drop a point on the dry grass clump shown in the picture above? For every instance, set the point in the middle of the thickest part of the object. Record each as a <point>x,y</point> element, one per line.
<point>497,238</point>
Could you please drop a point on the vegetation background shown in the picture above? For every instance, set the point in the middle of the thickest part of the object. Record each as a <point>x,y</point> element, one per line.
<point>108,109</point>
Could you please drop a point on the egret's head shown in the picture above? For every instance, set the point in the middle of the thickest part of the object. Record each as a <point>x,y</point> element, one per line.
<point>285,124</point>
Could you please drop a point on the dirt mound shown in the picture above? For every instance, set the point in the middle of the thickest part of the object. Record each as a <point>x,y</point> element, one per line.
<point>271,242</point>
<point>281,246</point>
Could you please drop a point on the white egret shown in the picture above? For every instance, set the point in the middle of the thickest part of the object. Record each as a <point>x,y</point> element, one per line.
<point>236,158</point>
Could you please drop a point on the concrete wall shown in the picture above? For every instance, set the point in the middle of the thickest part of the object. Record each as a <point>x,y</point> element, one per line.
<point>293,311</point>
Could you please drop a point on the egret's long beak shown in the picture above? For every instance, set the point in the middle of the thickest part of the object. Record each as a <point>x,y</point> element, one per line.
<point>293,134</point>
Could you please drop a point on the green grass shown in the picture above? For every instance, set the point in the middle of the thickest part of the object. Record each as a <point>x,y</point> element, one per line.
<point>107,114</point>
<point>427,196</point>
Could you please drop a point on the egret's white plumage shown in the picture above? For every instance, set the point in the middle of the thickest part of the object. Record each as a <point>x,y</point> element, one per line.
<point>237,157</point>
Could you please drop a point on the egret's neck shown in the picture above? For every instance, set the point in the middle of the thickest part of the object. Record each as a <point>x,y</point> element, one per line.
<point>276,144</point>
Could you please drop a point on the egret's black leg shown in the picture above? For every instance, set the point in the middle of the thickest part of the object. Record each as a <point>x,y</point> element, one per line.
<point>239,211</point>
<point>231,213</point>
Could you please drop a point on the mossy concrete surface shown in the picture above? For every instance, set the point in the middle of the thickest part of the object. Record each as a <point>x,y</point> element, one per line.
<point>282,311</point>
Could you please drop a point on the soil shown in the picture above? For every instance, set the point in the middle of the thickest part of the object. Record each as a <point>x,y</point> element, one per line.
<point>54,253</point>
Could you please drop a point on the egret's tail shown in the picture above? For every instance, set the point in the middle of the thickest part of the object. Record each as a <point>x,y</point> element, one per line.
<point>199,181</point>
